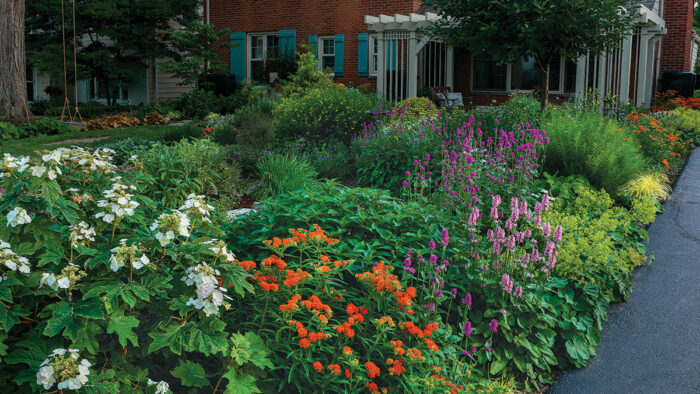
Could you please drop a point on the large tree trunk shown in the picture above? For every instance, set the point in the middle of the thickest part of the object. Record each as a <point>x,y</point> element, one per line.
<point>13,79</point>
<point>544,95</point>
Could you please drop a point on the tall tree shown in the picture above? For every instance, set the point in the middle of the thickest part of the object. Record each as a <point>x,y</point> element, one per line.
<point>544,29</point>
<point>115,38</point>
<point>13,78</point>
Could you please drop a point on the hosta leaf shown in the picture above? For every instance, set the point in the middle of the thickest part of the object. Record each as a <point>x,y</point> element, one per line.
<point>191,374</point>
<point>123,326</point>
<point>240,383</point>
<point>170,336</point>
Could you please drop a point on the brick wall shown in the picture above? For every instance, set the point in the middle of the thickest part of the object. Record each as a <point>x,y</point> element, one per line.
<point>308,17</point>
<point>676,45</point>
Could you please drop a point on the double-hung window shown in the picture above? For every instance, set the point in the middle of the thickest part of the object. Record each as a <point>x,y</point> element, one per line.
<point>373,55</point>
<point>523,75</point>
<point>263,48</point>
<point>326,53</point>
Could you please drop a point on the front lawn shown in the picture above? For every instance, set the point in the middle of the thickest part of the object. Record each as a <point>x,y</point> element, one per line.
<point>27,146</point>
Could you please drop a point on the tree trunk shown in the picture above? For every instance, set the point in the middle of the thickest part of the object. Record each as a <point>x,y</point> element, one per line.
<point>13,78</point>
<point>544,95</point>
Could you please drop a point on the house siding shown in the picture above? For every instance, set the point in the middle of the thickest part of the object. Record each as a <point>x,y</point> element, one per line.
<point>167,86</point>
<point>308,17</point>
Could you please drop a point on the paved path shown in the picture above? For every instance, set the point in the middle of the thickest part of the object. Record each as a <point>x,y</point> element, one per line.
<point>651,344</point>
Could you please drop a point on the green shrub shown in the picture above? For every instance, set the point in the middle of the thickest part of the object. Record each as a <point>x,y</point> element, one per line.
<point>8,131</point>
<point>47,126</point>
<point>124,149</point>
<point>200,103</point>
<point>323,113</point>
<point>191,166</point>
<point>417,106</point>
<point>591,145</point>
<point>307,75</point>
<point>281,174</point>
<point>91,109</point>
<point>177,133</point>
<point>688,124</point>
<point>39,107</point>
<point>255,123</point>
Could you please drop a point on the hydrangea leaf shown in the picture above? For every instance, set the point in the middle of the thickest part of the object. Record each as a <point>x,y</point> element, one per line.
<point>123,326</point>
<point>89,309</point>
<point>87,338</point>
<point>101,383</point>
<point>250,348</point>
<point>170,336</point>
<point>191,374</point>
<point>62,318</point>
<point>239,383</point>
<point>208,336</point>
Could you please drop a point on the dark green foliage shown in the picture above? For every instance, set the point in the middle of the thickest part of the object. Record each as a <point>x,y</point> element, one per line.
<point>199,103</point>
<point>8,131</point>
<point>282,174</point>
<point>177,133</point>
<point>593,146</point>
<point>45,126</point>
<point>92,109</point>
<point>127,147</point>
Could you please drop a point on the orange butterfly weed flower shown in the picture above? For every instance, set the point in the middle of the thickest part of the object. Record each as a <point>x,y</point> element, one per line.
<point>318,366</point>
<point>348,374</point>
<point>665,162</point>
<point>334,368</point>
<point>304,343</point>
<point>266,281</point>
<point>347,350</point>
<point>432,345</point>
<point>247,265</point>
<point>397,367</point>
<point>317,336</point>
<point>294,277</point>
<point>291,304</point>
<point>415,354</point>
<point>372,387</point>
<point>372,369</point>
<point>275,261</point>
<point>398,349</point>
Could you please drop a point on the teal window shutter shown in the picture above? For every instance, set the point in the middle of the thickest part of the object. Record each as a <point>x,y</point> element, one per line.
<point>288,42</point>
<point>313,41</point>
<point>339,69</point>
<point>362,52</point>
<point>238,60</point>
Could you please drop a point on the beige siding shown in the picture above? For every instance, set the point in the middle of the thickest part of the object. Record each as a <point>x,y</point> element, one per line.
<point>167,86</point>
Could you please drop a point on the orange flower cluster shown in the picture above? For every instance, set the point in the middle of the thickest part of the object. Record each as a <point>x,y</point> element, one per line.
<point>267,282</point>
<point>385,320</point>
<point>318,234</point>
<point>294,277</point>
<point>415,354</point>
<point>372,370</point>
<point>398,349</point>
<point>274,261</point>
<point>412,329</point>
<point>291,305</point>
<point>444,382</point>
<point>397,367</point>
<point>306,337</point>
<point>653,137</point>
<point>670,100</point>
<point>318,366</point>
<point>432,345</point>
<point>347,350</point>
<point>334,368</point>
<point>247,265</point>
<point>356,316</point>
<point>325,265</point>
<point>319,309</point>
<point>384,281</point>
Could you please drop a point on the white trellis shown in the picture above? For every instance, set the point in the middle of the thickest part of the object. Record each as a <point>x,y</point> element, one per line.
<point>406,59</point>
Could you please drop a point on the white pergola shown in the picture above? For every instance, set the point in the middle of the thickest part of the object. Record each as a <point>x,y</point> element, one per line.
<point>407,58</point>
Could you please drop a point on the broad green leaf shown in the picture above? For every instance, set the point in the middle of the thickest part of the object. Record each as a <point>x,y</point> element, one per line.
<point>250,348</point>
<point>497,366</point>
<point>62,318</point>
<point>170,336</point>
<point>123,326</point>
<point>208,336</point>
<point>240,383</point>
<point>101,383</point>
<point>89,309</point>
<point>191,374</point>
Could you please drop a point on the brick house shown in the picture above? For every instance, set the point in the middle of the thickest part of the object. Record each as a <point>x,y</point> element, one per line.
<point>358,38</point>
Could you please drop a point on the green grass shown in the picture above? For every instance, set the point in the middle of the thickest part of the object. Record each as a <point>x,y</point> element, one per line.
<point>27,146</point>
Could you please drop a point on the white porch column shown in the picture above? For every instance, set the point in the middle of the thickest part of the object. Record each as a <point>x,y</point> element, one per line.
<point>650,71</point>
<point>625,71</point>
<point>581,76</point>
<point>643,71</point>
<point>412,65</point>
<point>381,64</point>
<point>450,67</point>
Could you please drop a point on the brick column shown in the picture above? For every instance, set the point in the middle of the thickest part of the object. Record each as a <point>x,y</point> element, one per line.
<point>677,45</point>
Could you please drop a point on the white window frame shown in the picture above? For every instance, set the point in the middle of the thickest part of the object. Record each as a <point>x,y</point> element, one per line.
<point>372,55</point>
<point>319,51</point>
<point>249,49</point>
<point>509,80</point>
<point>34,87</point>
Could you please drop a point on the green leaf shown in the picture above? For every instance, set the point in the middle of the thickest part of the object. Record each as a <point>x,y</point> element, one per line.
<point>250,348</point>
<point>240,383</point>
<point>89,309</point>
<point>101,383</point>
<point>497,366</point>
<point>208,336</point>
<point>191,374</point>
<point>5,294</point>
<point>577,348</point>
<point>123,326</point>
<point>51,192</point>
<point>170,337</point>
<point>62,318</point>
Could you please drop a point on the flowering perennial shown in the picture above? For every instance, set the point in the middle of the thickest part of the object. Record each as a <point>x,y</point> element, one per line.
<point>63,366</point>
<point>210,296</point>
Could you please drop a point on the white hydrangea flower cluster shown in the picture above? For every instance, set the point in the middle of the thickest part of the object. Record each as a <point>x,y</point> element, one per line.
<point>81,234</point>
<point>82,159</point>
<point>219,248</point>
<point>196,207</point>
<point>49,165</point>
<point>210,296</point>
<point>11,260</point>
<point>70,274</point>
<point>17,217</point>
<point>170,225</point>
<point>118,203</point>
<point>62,366</point>
<point>162,387</point>
<point>11,164</point>
<point>127,255</point>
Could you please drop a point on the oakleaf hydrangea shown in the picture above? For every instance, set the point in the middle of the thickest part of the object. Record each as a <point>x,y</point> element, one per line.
<point>81,234</point>
<point>63,366</point>
<point>10,165</point>
<point>162,387</point>
<point>210,296</point>
<point>118,203</point>
<point>18,216</point>
<point>11,260</point>
<point>127,255</point>
<point>196,207</point>
<point>170,225</point>
<point>71,274</point>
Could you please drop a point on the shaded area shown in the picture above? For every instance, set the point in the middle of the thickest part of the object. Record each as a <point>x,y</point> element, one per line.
<point>651,344</point>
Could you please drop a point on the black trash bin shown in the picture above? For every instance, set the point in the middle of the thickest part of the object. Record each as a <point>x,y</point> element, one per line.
<point>683,83</point>
<point>221,84</point>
